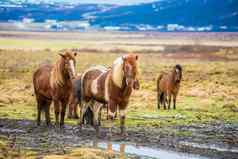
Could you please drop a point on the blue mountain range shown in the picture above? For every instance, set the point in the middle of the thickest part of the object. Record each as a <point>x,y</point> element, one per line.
<point>164,15</point>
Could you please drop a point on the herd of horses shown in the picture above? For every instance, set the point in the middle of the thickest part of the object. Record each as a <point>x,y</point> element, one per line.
<point>96,88</point>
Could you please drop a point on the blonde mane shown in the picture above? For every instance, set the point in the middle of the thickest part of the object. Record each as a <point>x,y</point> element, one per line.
<point>117,72</point>
<point>56,76</point>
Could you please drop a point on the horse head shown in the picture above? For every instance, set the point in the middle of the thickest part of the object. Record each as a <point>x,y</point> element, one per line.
<point>130,70</point>
<point>178,73</point>
<point>69,63</point>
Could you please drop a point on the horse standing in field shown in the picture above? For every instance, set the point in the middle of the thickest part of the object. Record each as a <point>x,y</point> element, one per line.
<point>74,102</point>
<point>168,85</point>
<point>74,98</point>
<point>109,86</point>
<point>54,83</point>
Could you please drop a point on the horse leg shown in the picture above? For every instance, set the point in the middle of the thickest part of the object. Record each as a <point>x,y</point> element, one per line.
<point>47,113</point>
<point>100,115</point>
<point>169,101</point>
<point>158,99</point>
<point>122,122</point>
<point>73,102</point>
<point>57,109</point>
<point>83,109</point>
<point>112,107</point>
<point>39,106</point>
<point>70,111</point>
<point>107,113</point>
<point>75,113</point>
<point>96,110</point>
<point>164,100</point>
<point>174,100</point>
<point>62,114</point>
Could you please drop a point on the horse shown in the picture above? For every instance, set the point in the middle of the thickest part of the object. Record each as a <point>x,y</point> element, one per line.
<point>168,85</point>
<point>54,83</point>
<point>113,87</point>
<point>74,101</point>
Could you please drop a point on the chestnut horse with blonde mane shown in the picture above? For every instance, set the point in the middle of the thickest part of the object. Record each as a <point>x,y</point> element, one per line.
<point>109,86</point>
<point>53,83</point>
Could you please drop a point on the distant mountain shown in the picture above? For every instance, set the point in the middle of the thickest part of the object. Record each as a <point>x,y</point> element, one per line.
<point>43,11</point>
<point>164,15</point>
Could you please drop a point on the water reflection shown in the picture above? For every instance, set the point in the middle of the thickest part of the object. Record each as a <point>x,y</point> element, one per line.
<point>125,149</point>
<point>109,148</point>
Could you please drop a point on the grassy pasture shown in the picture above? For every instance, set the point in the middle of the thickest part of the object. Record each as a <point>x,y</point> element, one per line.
<point>208,89</point>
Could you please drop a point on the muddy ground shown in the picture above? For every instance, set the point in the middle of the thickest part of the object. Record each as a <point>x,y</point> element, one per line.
<point>214,140</point>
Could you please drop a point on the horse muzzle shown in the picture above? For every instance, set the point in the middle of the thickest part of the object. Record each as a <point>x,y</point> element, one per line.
<point>133,83</point>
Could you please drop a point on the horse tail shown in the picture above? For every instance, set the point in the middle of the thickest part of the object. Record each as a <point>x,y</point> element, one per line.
<point>78,89</point>
<point>82,87</point>
<point>161,98</point>
<point>160,95</point>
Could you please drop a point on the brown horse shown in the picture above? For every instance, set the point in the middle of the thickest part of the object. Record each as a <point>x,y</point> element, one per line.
<point>168,85</point>
<point>53,83</point>
<point>74,98</point>
<point>74,102</point>
<point>110,86</point>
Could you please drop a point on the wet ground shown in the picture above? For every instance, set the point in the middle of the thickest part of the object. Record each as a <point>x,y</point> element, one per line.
<point>214,140</point>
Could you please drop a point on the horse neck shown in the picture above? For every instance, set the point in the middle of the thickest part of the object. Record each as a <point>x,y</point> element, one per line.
<point>60,74</point>
<point>172,79</point>
<point>124,90</point>
<point>118,79</point>
<point>127,90</point>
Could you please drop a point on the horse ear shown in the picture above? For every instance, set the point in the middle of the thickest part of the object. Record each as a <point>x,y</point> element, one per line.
<point>62,55</point>
<point>137,57</point>
<point>123,57</point>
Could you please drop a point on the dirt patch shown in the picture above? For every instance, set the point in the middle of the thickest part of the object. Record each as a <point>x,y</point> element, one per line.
<point>220,140</point>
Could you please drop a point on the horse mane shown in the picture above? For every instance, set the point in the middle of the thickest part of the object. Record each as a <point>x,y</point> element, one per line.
<point>178,67</point>
<point>117,72</point>
<point>56,77</point>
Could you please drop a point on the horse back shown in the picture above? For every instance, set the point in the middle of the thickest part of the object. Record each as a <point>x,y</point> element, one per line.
<point>166,83</point>
<point>93,84</point>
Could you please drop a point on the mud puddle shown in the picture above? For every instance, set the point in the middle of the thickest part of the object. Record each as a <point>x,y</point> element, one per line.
<point>194,141</point>
<point>142,152</point>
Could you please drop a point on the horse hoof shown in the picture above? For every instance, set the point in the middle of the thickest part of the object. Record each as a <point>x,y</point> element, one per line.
<point>109,135</point>
<point>49,125</point>
<point>62,126</point>
<point>97,134</point>
<point>124,135</point>
<point>76,117</point>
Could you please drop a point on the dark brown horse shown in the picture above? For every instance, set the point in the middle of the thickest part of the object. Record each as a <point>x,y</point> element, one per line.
<point>168,85</point>
<point>53,83</point>
<point>110,86</point>
<point>74,98</point>
<point>74,102</point>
